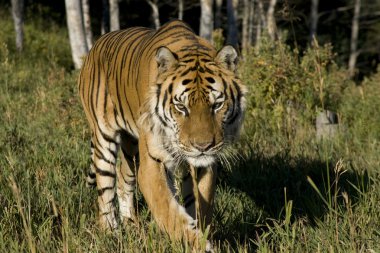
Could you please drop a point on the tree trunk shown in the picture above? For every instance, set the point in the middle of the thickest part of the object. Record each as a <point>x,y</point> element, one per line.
<point>218,13</point>
<point>232,36</point>
<point>313,20</point>
<point>245,25</point>
<point>207,20</point>
<point>155,13</point>
<point>87,23</point>
<point>260,23</point>
<point>114,15</point>
<point>76,31</point>
<point>354,39</point>
<point>251,21</point>
<point>271,21</point>
<point>105,23</point>
<point>18,19</point>
<point>180,9</point>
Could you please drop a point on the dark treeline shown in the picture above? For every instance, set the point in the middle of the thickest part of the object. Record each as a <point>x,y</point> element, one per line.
<point>294,21</point>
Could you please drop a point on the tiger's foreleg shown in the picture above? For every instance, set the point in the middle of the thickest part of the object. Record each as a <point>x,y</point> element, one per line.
<point>166,210</point>
<point>204,192</point>
<point>104,162</point>
<point>198,190</point>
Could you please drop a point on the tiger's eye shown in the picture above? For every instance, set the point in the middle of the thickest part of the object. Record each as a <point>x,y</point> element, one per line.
<point>217,106</point>
<point>181,108</point>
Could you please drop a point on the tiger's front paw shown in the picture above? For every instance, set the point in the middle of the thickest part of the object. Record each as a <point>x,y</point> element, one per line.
<point>107,221</point>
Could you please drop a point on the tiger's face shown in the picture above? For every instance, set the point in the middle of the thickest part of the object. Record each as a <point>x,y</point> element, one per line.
<point>199,105</point>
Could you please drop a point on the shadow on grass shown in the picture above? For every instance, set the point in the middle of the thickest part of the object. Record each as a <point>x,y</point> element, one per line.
<point>263,182</point>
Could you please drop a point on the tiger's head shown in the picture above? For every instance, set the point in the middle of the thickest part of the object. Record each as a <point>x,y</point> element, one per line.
<point>197,105</point>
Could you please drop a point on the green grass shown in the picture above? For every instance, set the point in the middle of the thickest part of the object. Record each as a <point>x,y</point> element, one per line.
<point>290,193</point>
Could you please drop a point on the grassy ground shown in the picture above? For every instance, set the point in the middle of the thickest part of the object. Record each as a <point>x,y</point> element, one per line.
<point>290,193</point>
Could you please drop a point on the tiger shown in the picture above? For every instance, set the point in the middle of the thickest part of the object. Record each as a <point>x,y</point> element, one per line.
<point>163,107</point>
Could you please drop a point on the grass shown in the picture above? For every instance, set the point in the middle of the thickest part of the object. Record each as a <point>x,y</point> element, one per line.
<point>290,193</point>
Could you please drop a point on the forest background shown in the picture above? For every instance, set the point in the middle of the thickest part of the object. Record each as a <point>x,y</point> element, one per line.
<point>308,177</point>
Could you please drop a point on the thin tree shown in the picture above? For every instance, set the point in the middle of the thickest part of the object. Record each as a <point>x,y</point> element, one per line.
<point>114,15</point>
<point>313,20</point>
<point>232,35</point>
<point>245,24</point>
<point>87,23</point>
<point>105,23</point>
<point>18,19</point>
<point>251,21</point>
<point>271,21</point>
<point>354,39</point>
<point>155,13</point>
<point>77,35</point>
<point>261,22</point>
<point>180,9</point>
<point>218,13</point>
<point>207,19</point>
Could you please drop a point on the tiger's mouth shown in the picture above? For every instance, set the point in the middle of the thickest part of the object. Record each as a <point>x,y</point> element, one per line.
<point>201,160</point>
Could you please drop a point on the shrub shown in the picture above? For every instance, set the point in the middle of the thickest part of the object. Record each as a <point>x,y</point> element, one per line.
<point>287,88</point>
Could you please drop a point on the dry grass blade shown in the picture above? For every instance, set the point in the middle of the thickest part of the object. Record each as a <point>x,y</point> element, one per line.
<point>26,225</point>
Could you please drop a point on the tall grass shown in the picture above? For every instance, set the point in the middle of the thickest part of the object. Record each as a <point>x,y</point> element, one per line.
<point>290,193</point>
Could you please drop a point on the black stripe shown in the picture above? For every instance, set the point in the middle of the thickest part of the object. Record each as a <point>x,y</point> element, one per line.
<point>91,183</point>
<point>210,79</point>
<point>102,190</point>
<point>189,202</point>
<point>232,120</point>
<point>187,176</point>
<point>105,173</point>
<point>209,71</point>
<point>154,158</point>
<point>101,157</point>
<point>186,81</point>
<point>108,138</point>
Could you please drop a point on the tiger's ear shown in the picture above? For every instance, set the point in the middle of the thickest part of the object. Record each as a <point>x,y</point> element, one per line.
<point>228,57</point>
<point>165,59</point>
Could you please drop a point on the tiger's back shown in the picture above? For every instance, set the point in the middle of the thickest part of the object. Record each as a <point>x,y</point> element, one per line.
<point>121,67</point>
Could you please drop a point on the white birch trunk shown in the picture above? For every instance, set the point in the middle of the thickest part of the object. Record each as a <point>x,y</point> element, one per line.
<point>313,20</point>
<point>155,13</point>
<point>354,39</point>
<point>261,22</point>
<point>114,15</point>
<point>180,9</point>
<point>76,31</point>
<point>18,19</point>
<point>251,21</point>
<point>271,21</point>
<point>207,20</point>
<point>245,25</point>
<point>87,23</point>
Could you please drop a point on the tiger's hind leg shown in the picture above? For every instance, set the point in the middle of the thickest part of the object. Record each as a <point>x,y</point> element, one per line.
<point>91,176</point>
<point>105,148</point>
<point>126,179</point>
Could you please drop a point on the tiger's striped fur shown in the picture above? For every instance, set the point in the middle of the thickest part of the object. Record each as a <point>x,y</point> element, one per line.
<point>171,104</point>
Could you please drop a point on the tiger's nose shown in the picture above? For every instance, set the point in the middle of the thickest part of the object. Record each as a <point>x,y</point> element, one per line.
<point>203,146</point>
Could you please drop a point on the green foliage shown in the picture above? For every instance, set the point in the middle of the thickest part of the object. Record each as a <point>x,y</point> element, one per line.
<point>287,88</point>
